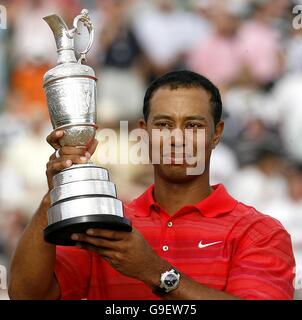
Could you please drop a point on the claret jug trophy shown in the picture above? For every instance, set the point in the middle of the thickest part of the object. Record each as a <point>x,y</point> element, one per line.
<point>83,196</point>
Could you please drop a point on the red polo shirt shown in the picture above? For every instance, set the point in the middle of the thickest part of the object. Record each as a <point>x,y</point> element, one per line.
<point>219,242</point>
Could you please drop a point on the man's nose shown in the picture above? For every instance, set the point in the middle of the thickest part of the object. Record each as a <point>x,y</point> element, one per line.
<point>178,139</point>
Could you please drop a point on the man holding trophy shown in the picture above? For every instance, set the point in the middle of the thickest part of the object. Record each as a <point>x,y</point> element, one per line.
<point>181,239</point>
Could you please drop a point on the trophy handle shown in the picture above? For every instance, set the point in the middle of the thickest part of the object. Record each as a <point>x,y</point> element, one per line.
<point>85,19</point>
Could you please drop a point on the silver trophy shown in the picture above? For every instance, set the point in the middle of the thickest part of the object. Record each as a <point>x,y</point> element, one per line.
<point>82,197</point>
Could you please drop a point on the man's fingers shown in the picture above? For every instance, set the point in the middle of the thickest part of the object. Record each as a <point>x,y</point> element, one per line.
<point>108,234</point>
<point>55,163</point>
<point>53,157</point>
<point>81,151</point>
<point>53,138</point>
<point>93,146</point>
<point>71,151</point>
<point>56,166</point>
<point>97,242</point>
<point>105,253</point>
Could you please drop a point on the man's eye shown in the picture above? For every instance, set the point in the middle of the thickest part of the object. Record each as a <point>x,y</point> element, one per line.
<point>163,124</point>
<point>194,125</point>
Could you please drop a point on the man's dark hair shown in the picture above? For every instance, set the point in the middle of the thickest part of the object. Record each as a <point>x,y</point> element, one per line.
<point>185,79</point>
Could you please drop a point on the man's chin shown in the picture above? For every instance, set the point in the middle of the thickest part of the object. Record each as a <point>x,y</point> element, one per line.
<point>176,173</point>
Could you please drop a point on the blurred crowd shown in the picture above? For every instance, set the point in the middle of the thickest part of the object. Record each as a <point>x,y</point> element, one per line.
<point>248,48</point>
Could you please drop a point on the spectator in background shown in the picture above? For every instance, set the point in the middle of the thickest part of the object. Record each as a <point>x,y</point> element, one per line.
<point>31,40</point>
<point>22,162</point>
<point>32,54</point>
<point>120,48</point>
<point>293,48</point>
<point>26,85</point>
<point>262,180</point>
<point>3,68</point>
<point>219,173</point>
<point>288,210</point>
<point>13,217</point>
<point>226,155</point>
<point>218,56</point>
<point>253,136</point>
<point>12,188</point>
<point>282,16</point>
<point>166,34</point>
<point>283,109</point>
<point>259,43</point>
<point>120,59</point>
<point>229,57</point>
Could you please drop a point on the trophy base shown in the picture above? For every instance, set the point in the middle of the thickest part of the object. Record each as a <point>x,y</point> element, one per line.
<point>59,233</point>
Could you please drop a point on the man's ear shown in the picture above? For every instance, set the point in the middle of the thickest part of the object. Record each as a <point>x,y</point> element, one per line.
<point>218,133</point>
<point>142,124</point>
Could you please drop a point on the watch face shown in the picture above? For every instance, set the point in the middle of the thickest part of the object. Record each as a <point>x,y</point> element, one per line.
<point>170,280</point>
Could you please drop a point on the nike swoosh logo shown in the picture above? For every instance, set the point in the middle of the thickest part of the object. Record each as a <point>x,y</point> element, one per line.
<point>201,246</point>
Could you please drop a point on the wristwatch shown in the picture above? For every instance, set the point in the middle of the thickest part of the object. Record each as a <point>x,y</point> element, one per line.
<point>169,281</point>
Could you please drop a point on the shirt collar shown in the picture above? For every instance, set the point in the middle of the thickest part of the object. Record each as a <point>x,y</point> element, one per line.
<point>217,203</point>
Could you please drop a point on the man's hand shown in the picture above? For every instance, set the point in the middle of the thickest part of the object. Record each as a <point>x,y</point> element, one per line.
<point>68,155</point>
<point>127,252</point>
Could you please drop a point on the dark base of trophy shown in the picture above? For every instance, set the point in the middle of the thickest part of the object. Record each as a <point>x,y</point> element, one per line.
<point>83,198</point>
<point>60,232</point>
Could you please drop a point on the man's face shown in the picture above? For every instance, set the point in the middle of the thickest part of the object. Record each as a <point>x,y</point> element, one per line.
<point>182,109</point>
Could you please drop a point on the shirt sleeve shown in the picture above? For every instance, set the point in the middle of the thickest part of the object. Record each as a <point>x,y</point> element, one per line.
<point>264,269</point>
<point>72,271</point>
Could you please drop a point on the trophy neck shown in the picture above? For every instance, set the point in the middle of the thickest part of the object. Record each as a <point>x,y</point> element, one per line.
<point>64,43</point>
<point>65,56</point>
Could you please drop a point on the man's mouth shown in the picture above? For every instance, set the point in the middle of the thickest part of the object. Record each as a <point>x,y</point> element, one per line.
<point>176,158</point>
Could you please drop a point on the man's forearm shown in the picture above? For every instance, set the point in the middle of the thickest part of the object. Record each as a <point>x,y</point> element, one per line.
<point>32,266</point>
<point>191,290</point>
